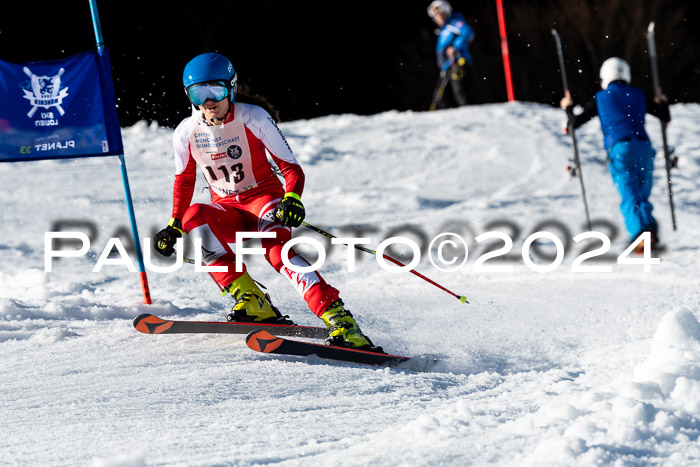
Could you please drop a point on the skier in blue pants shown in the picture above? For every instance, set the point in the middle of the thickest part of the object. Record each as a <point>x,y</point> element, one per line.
<point>621,109</point>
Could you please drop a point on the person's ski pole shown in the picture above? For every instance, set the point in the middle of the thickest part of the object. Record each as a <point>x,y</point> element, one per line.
<point>570,124</point>
<point>222,289</point>
<point>657,91</point>
<point>461,298</point>
<point>445,76</point>
<point>440,88</point>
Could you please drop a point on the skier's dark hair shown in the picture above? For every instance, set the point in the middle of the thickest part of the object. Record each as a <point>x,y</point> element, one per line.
<point>244,95</point>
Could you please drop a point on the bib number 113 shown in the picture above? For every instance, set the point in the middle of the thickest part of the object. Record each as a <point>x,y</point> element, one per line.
<point>236,173</point>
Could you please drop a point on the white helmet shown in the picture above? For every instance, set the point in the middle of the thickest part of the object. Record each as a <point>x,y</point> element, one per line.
<point>439,6</point>
<point>614,69</point>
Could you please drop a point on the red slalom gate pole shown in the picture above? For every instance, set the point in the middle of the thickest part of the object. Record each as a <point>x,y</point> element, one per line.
<point>504,50</point>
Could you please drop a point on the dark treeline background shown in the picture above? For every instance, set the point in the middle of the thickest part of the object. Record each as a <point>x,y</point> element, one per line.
<point>316,58</point>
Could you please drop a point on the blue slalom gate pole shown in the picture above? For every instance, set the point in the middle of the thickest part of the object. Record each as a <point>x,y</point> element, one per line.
<point>134,231</point>
<point>125,177</point>
<point>97,27</point>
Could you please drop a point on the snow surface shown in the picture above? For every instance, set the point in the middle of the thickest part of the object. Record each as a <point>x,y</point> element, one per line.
<point>557,368</point>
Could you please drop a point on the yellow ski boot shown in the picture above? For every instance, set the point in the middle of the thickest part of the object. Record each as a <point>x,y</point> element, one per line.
<point>343,330</point>
<point>252,305</point>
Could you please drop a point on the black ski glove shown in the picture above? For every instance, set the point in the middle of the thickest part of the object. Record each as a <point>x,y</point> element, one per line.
<point>290,211</point>
<point>164,241</point>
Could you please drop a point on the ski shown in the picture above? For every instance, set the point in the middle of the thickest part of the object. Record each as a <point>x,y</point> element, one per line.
<point>151,324</point>
<point>668,153</point>
<point>576,171</point>
<point>263,341</point>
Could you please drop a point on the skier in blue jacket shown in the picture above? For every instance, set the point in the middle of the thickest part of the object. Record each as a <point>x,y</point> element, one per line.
<point>452,47</point>
<point>621,109</point>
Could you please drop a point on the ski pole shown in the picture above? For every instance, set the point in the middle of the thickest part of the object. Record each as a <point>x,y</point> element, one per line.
<point>461,298</point>
<point>224,291</point>
<point>570,124</point>
<point>657,91</point>
<point>441,85</point>
<point>221,288</point>
<point>439,90</point>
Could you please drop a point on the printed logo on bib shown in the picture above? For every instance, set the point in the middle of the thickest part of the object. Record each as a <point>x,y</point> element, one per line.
<point>224,155</point>
<point>234,152</point>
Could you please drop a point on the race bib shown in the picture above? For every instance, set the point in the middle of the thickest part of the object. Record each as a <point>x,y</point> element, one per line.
<point>223,154</point>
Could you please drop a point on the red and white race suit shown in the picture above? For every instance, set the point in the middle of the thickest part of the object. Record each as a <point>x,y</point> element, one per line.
<point>244,193</point>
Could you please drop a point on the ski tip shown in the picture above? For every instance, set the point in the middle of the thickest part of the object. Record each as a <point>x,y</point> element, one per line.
<point>151,324</point>
<point>263,341</point>
<point>650,29</point>
<point>141,317</point>
<point>554,32</point>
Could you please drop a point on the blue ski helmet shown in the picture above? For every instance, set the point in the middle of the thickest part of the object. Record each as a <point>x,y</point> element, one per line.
<point>210,67</point>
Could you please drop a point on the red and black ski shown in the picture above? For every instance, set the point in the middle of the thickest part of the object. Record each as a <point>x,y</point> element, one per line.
<point>151,324</point>
<point>263,341</point>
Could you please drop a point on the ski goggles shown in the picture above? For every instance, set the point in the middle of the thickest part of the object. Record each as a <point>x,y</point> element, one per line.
<point>214,90</point>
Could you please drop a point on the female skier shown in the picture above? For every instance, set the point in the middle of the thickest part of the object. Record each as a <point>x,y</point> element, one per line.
<point>227,137</point>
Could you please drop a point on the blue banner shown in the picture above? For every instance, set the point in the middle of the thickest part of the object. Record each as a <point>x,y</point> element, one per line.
<point>58,109</point>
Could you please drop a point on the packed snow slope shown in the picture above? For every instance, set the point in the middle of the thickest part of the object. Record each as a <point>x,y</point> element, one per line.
<point>540,368</point>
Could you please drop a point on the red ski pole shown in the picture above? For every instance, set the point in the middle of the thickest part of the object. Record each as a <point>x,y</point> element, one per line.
<point>461,298</point>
